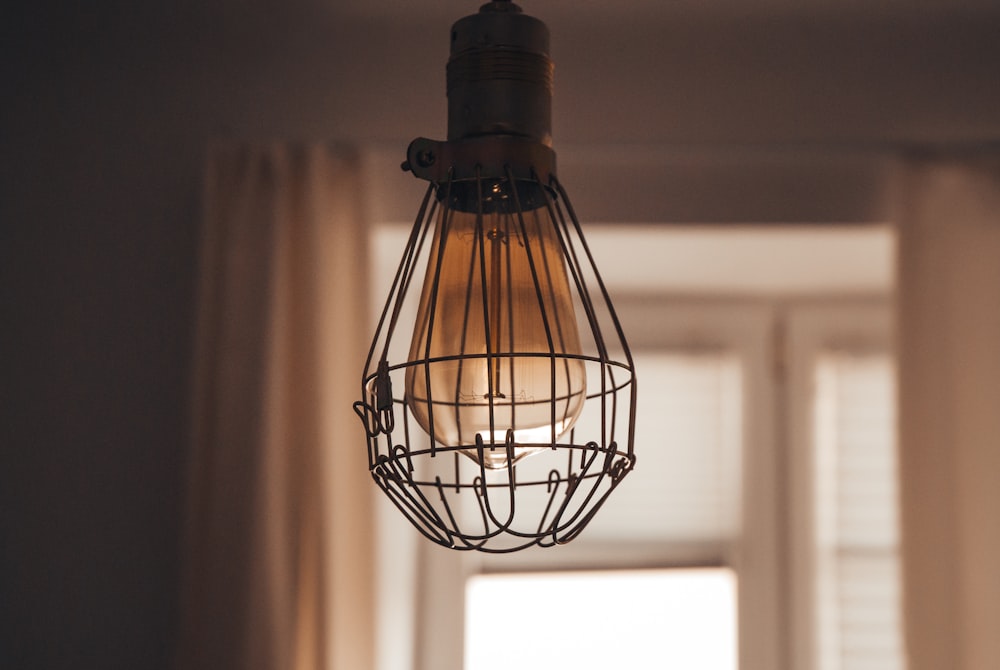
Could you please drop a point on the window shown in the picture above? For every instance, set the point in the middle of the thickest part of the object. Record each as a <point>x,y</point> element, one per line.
<point>687,491</point>
<point>845,530</point>
<point>748,443</point>
<point>598,620</point>
<point>690,505</point>
<point>856,529</point>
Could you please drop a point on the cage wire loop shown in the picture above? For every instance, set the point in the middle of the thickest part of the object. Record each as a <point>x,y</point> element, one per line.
<point>507,418</point>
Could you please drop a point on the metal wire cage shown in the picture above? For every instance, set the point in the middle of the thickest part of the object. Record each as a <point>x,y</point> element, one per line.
<point>505,417</point>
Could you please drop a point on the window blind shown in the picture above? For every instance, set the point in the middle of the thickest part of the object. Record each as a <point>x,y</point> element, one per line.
<point>686,484</point>
<point>858,623</point>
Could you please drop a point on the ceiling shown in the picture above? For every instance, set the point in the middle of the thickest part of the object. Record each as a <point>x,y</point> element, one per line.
<point>645,10</point>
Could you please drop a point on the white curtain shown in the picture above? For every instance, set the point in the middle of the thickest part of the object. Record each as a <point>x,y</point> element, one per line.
<point>279,541</point>
<point>949,409</point>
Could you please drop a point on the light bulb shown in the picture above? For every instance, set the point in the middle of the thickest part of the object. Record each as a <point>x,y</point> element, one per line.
<point>495,349</point>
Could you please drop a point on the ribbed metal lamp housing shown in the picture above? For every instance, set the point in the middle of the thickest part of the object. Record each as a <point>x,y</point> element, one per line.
<point>505,416</point>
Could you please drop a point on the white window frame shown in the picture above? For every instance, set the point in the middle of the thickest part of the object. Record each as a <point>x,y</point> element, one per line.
<point>672,325</point>
<point>858,327</point>
<point>421,585</point>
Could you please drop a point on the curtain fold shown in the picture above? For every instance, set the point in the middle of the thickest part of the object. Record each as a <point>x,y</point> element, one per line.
<point>949,397</point>
<point>278,537</point>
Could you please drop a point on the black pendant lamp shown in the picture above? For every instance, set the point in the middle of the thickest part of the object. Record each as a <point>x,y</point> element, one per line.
<point>504,417</point>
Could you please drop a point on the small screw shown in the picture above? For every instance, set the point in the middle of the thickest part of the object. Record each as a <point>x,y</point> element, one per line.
<point>425,158</point>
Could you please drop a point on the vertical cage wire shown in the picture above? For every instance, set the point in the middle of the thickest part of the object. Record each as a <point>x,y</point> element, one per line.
<point>508,417</point>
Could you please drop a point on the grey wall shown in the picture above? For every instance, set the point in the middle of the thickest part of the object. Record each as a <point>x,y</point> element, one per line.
<point>107,108</point>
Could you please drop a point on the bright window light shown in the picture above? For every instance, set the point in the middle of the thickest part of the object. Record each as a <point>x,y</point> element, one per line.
<point>637,619</point>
